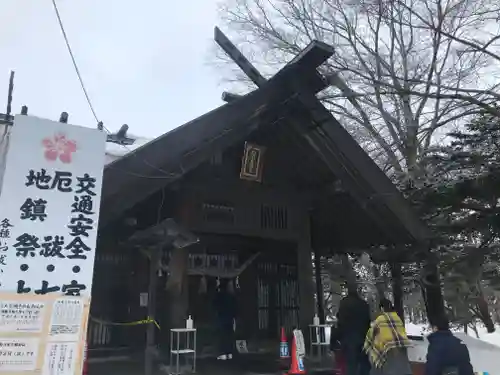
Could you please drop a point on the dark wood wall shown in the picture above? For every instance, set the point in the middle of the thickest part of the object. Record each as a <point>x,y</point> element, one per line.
<point>245,217</point>
<point>120,276</point>
<point>237,208</point>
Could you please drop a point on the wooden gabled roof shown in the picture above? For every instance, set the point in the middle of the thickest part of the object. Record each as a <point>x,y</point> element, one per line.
<point>290,92</point>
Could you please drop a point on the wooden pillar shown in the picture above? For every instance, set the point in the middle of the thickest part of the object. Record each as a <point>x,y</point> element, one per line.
<point>177,287</point>
<point>150,331</point>
<point>305,276</point>
<point>248,322</point>
<point>139,281</point>
<point>397,288</point>
<point>178,282</point>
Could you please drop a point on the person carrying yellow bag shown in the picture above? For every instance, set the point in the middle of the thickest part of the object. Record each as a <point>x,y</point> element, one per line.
<point>386,343</point>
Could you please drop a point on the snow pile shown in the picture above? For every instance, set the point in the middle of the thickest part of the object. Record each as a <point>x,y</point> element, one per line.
<point>115,151</point>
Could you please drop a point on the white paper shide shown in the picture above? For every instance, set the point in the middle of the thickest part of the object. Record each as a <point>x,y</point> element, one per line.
<point>49,207</point>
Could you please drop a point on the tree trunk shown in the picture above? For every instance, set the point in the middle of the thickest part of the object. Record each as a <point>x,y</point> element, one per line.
<point>474,328</point>
<point>397,289</point>
<point>484,313</point>
<point>431,290</point>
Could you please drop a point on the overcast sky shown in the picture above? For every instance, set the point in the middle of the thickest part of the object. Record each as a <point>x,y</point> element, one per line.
<point>144,63</point>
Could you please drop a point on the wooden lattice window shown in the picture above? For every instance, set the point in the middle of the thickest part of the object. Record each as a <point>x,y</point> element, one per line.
<point>273,217</point>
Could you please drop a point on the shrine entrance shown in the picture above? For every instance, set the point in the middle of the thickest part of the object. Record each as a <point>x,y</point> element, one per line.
<point>261,273</point>
<point>263,276</point>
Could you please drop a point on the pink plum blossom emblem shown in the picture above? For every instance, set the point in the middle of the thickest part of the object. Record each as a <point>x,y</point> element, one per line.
<point>59,147</point>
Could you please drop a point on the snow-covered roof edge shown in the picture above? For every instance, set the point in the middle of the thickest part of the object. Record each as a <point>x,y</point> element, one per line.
<point>115,151</point>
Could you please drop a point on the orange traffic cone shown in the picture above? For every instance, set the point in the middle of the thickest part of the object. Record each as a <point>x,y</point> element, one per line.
<point>297,367</point>
<point>85,368</point>
<point>284,352</point>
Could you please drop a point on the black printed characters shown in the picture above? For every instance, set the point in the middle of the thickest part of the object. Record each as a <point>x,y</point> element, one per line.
<point>80,225</point>
<point>52,247</point>
<point>85,185</point>
<point>61,180</point>
<point>71,289</point>
<point>34,209</point>
<point>70,245</point>
<point>28,245</point>
<point>83,205</point>
<point>77,248</point>
<point>5,227</point>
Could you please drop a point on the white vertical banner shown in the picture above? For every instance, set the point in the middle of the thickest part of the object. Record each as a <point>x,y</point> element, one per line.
<point>49,207</point>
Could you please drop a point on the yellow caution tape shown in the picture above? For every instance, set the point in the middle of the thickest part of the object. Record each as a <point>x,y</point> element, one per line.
<point>148,320</point>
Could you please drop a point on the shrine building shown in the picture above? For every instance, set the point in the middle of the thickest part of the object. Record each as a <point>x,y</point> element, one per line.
<point>263,184</point>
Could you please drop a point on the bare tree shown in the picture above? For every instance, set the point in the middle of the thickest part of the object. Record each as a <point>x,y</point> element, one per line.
<point>472,29</point>
<point>402,72</point>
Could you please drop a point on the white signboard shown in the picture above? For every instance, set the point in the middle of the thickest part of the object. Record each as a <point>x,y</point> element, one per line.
<point>60,359</point>
<point>241,346</point>
<point>42,334</point>
<point>66,319</point>
<point>299,343</point>
<point>21,316</point>
<point>143,299</point>
<point>18,354</point>
<point>49,207</point>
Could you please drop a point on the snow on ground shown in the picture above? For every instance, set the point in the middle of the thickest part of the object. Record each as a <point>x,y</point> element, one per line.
<point>415,329</point>
<point>423,330</point>
<point>491,338</point>
<point>484,352</point>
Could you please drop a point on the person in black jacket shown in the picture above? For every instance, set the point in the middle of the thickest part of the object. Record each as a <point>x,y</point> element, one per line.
<point>226,310</point>
<point>353,322</point>
<point>446,354</point>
